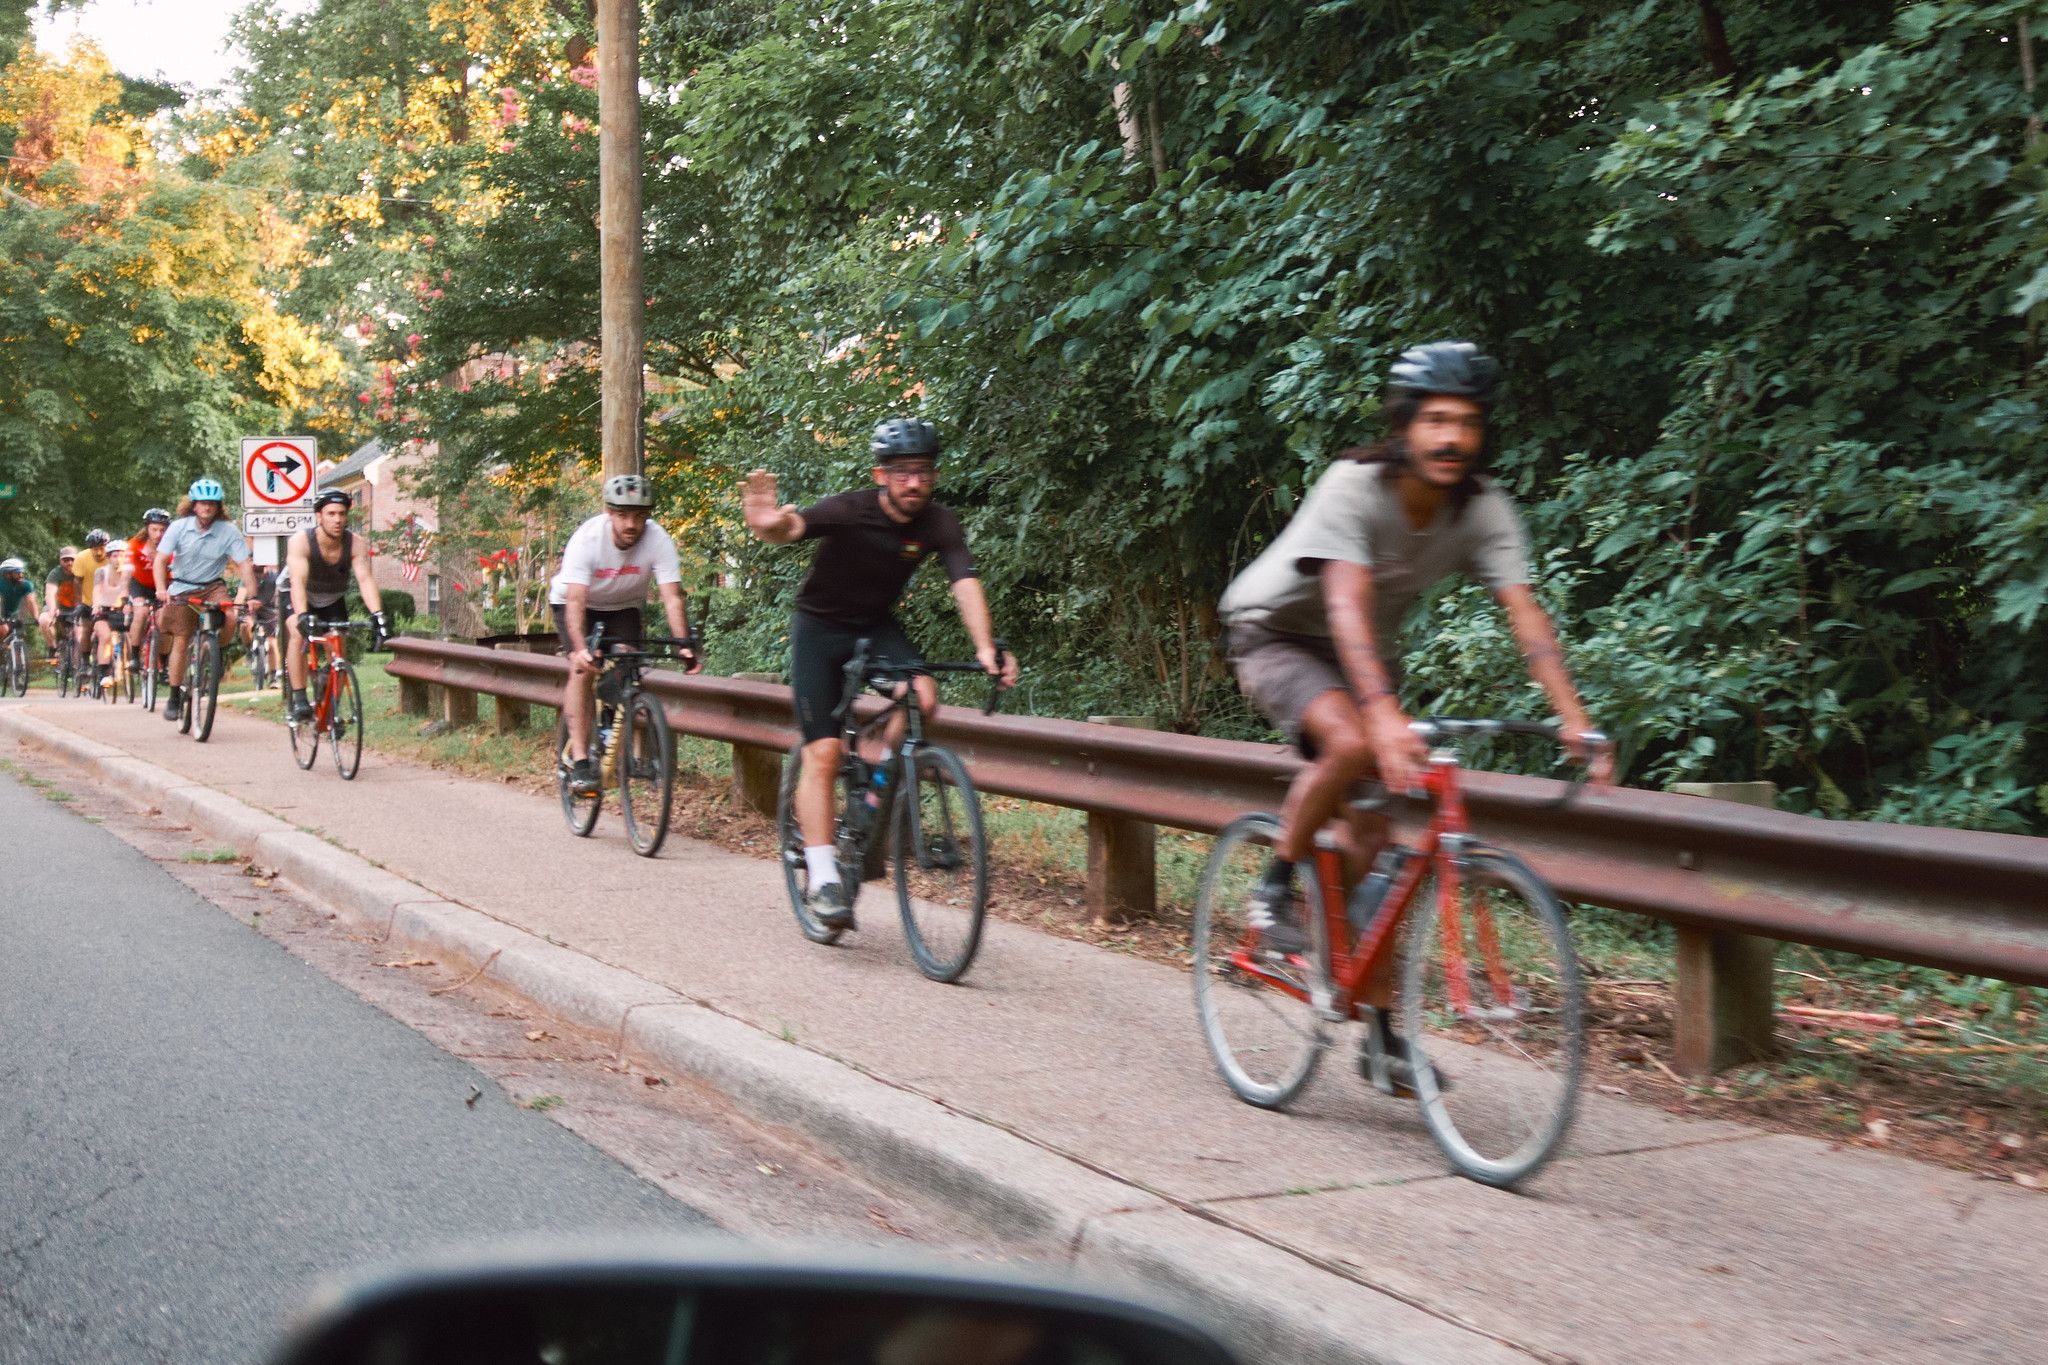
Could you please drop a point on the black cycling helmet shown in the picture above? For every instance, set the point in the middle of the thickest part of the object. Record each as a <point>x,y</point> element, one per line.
<point>156,516</point>
<point>904,438</point>
<point>333,495</point>
<point>96,538</point>
<point>1457,369</point>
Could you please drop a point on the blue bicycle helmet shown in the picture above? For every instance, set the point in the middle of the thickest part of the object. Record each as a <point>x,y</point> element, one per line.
<point>207,490</point>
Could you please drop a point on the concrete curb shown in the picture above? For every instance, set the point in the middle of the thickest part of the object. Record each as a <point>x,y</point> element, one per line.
<point>1272,1304</point>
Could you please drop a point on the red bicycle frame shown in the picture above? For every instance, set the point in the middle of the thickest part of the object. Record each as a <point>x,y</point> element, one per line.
<point>1357,960</point>
<point>321,651</point>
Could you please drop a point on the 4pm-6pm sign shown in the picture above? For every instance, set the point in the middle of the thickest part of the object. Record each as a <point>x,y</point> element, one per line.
<point>276,523</point>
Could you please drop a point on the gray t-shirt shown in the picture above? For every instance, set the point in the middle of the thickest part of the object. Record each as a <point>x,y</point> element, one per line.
<point>1353,514</point>
<point>202,557</point>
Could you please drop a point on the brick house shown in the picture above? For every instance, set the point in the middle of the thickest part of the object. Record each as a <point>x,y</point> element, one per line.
<point>370,476</point>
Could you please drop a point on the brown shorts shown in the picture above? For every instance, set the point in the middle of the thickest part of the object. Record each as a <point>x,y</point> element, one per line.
<point>1283,674</point>
<point>179,616</point>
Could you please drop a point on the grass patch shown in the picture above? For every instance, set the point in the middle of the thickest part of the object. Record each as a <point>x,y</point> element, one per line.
<point>210,855</point>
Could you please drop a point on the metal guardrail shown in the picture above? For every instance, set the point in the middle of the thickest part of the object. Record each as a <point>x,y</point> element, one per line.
<point>1953,899</point>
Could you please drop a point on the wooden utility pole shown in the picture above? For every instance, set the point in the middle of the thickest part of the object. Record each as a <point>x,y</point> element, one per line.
<point>623,335</point>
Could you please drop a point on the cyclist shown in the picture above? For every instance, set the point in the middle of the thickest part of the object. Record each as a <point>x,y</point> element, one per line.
<point>606,567</point>
<point>263,613</point>
<point>316,573</point>
<point>1314,622</point>
<point>874,540</point>
<point>205,545</point>
<point>15,591</point>
<point>109,597</point>
<point>142,593</point>
<point>60,603</point>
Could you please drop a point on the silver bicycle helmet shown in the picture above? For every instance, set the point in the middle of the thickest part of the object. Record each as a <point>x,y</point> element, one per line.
<point>628,490</point>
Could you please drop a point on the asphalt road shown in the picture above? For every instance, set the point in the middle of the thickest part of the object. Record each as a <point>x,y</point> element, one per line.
<point>196,1127</point>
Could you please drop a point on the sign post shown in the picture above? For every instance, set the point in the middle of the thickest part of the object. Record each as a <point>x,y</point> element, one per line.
<point>279,482</point>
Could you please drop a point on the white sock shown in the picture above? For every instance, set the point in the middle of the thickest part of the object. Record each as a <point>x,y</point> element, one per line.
<point>823,862</point>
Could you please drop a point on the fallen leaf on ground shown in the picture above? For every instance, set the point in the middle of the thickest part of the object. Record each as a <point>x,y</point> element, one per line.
<point>769,1170</point>
<point>652,1080</point>
<point>538,1035</point>
<point>1878,1130</point>
<point>2026,1180</point>
<point>409,962</point>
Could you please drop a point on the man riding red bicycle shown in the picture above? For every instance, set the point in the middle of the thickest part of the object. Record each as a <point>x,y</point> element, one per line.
<point>1314,622</point>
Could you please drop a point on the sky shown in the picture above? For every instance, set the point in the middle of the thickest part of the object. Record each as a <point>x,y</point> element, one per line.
<point>184,41</point>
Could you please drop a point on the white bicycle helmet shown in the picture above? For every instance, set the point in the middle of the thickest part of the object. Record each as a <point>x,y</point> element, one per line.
<point>628,490</point>
<point>12,565</point>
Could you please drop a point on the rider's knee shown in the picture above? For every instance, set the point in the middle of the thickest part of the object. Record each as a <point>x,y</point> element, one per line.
<point>1348,753</point>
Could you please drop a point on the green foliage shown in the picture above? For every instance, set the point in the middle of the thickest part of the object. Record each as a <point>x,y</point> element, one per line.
<point>1774,409</point>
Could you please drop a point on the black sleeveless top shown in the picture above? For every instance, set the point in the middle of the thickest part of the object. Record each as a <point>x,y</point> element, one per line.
<point>326,582</point>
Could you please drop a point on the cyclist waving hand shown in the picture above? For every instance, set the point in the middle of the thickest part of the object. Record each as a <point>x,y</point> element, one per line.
<point>874,539</point>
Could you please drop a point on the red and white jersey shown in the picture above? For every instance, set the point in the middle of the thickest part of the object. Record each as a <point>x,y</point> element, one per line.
<point>616,578</point>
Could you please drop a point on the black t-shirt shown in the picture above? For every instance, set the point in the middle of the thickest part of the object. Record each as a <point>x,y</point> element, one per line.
<point>867,559</point>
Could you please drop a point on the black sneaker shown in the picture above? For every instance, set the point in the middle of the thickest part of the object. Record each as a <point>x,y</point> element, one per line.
<point>828,906</point>
<point>174,705</point>
<point>1386,1061</point>
<point>583,777</point>
<point>302,709</point>
<point>1270,911</point>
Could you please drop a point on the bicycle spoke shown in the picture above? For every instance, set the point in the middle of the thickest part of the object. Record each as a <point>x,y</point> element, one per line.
<point>1254,1006</point>
<point>941,863</point>
<point>1491,994</point>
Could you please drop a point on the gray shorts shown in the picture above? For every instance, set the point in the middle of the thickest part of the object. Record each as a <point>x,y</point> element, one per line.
<point>1283,674</point>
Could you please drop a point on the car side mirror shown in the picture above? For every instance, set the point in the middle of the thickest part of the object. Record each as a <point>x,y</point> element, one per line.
<point>727,1304</point>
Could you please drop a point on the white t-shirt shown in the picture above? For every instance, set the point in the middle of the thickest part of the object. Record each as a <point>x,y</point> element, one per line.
<point>616,578</point>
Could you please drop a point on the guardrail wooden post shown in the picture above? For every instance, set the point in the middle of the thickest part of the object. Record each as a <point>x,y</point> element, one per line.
<point>1727,982</point>
<point>412,696</point>
<point>458,707</point>
<point>757,772</point>
<point>1123,874</point>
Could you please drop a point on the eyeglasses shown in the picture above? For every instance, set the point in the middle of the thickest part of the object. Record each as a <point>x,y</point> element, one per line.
<point>908,472</point>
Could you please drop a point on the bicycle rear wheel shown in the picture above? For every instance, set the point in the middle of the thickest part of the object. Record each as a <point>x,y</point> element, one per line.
<point>579,811</point>
<point>647,773</point>
<point>65,664</point>
<point>1491,991</point>
<point>149,670</point>
<point>305,735</point>
<point>789,836</point>
<point>205,688</point>
<point>345,721</point>
<point>1256,1007</point>
<point>941,863</point>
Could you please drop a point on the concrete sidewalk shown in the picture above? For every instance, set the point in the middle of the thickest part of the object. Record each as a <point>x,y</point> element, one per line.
<point>1063,1094</point>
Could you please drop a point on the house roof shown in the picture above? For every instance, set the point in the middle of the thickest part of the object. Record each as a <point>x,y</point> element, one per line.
<point>361,459</point>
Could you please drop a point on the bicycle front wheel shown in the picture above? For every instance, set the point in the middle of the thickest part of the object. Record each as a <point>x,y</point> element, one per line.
<point>789,840</point>
<point>345,722</point>
<point>205,689</point>
<point>306,734</point>
<point>647,774</point>
<point>1490,993</point>
<point>149,667</point>
<point>579,811</point>
<point>259,660</point>
<point>17,663</point>
<point>64,668</point>
<point>1257,1006</point>
<point>941,863</point>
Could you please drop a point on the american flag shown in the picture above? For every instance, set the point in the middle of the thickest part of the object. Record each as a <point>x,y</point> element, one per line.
<point>412,551</point>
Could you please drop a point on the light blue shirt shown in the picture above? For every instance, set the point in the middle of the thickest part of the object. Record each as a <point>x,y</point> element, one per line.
<point>202,556</point>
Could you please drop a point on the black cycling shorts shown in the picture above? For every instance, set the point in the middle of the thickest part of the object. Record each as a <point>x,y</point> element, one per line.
<point>622,626</point>
<point>149,595</point>
<point>818,652</point>
<point>327,614</point>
